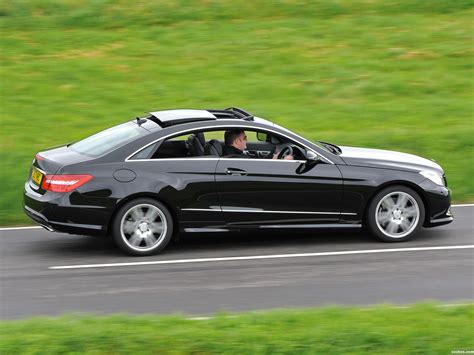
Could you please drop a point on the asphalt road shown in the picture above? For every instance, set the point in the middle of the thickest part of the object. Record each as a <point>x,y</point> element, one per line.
<point>30,286</point>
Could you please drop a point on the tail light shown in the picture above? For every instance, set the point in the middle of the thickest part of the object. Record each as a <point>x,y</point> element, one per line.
<point>64,183</point>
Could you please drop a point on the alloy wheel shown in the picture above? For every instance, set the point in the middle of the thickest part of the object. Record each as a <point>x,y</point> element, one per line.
<point>397,214</point>
<point>143,227</point>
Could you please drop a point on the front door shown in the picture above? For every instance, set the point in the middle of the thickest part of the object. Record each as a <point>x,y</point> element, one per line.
<point>278,192</point>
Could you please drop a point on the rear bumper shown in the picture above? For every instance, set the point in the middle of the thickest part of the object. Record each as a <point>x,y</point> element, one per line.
<point>54,212</point>
<point>38,218</point>
<point>62,227</point>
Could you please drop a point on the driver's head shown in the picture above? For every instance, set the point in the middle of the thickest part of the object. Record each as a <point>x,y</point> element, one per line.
<point>236,138</point>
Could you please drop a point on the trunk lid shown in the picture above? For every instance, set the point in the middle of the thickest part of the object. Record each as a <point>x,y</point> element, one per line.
<point>50,162</point>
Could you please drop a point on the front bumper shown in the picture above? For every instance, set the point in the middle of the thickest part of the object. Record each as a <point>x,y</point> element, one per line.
<point>438,204</point>
<point>444,218</point>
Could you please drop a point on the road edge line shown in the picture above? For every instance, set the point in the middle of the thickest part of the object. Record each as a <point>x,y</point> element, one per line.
<point>259,257</point>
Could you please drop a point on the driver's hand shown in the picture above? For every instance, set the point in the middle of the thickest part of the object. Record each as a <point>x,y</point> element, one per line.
<point>289,157</point>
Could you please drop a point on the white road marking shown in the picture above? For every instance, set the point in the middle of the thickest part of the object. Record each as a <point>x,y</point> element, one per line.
<point>38,227</point>
<point>19,228</point>
<point>260,257</point>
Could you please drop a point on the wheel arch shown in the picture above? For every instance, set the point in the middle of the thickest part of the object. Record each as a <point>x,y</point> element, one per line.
<point>151,195</point>
<point>405,183</point>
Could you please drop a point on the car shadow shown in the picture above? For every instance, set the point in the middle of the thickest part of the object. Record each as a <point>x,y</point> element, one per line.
<point>266,239</point>
<point>243,241</point>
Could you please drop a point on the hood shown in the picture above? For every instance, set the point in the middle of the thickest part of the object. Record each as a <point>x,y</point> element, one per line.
<point>387,159</point>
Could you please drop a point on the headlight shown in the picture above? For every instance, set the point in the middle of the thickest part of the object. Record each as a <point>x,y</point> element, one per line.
<point>435,177</point>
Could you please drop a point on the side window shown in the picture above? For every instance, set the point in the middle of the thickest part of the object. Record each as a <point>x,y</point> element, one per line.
<point>255,144</point>
<point>187,145</point>
<point>145,153</point>
<point>174,147</point>
<point>266,145</point>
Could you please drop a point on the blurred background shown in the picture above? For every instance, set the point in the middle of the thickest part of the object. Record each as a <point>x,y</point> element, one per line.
<point>394,74</point>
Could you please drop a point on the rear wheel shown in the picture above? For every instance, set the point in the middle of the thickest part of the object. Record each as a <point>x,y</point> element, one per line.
<point>142,227</point>
<point>396,214</point>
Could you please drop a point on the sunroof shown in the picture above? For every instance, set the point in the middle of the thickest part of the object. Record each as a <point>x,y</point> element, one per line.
<point>172,117</point>
<point>168,118</point>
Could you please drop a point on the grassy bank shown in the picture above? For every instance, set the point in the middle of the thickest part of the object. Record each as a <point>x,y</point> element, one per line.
<point>389,74</point>
<point>420,329</point>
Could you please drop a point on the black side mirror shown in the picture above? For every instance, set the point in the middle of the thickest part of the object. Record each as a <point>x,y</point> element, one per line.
<point>312,158</point>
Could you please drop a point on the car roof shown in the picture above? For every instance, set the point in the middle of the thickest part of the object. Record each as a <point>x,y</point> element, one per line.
<point>166,118</point>
<point>170,115</point>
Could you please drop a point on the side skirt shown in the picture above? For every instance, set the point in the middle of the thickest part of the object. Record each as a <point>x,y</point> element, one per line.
<point>277,226</point>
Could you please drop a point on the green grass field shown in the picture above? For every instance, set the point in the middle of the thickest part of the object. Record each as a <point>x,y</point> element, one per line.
<point>385,74</point>
<point>419,329</point>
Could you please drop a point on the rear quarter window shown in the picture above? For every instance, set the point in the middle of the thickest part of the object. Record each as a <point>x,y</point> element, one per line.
<point>109,139</point>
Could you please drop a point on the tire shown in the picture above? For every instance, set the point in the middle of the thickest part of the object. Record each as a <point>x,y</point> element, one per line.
<point>395,214</point>
<point>142,227</point>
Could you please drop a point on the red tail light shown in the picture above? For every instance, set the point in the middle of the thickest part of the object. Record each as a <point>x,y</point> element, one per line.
<point>64,183</point>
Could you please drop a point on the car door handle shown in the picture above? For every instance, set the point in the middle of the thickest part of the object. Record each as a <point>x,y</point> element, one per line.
<point>235,172</point>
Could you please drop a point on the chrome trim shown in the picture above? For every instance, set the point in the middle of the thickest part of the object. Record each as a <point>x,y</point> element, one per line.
<point>205,230</point>
<point>48,228</point>
<point>43,222</point>
<point>242,125</point>
<point>217,158</point>
<point>441,220</point>
<point>172,159</point>
<point>325,225</point>
<point>263,211</point>
<point>255,159</point>
<point>78,225</point>
<point>269,211</point>
<point>36,213</point>
<point>40,170</point>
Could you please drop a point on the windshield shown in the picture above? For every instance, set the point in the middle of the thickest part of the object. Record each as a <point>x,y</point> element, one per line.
<point>108,140</point>
<point>315,143</point>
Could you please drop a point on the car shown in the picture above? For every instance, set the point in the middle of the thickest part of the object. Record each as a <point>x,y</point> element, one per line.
<point>148,179</point>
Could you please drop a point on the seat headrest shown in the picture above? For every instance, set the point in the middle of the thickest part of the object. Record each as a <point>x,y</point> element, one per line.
<point>200,137</point>
<point>195,144</point>
<point>213,147</point>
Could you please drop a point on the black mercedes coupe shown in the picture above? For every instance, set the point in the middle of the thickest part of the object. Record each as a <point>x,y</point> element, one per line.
<point>148,179</point>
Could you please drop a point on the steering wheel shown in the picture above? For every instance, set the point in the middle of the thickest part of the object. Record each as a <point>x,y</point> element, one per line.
<point>288,150</point>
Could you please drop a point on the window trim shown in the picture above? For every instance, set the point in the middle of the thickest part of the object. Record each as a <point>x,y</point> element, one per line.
<point>196,129</point>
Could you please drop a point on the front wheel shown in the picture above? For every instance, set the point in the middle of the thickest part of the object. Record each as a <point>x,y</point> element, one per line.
<point>142,227</point>
<point>395,214</point>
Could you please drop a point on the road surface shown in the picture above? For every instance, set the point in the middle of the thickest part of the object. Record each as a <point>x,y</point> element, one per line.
<point>45,273</point>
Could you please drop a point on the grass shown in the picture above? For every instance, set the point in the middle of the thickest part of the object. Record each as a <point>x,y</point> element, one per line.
<point>419,329</point>
<point>385,74</point>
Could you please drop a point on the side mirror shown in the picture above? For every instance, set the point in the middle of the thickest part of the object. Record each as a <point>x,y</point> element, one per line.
<point>312,157</point>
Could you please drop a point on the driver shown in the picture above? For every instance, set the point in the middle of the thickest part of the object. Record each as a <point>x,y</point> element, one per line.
<point>236,143</point>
